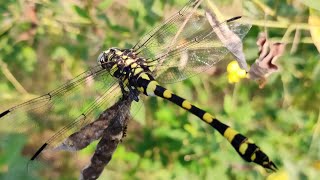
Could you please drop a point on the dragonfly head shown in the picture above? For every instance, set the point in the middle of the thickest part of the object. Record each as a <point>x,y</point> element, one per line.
<point>106,58</point>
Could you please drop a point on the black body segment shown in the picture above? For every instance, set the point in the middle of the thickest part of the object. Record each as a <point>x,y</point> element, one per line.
<point>247,150</point>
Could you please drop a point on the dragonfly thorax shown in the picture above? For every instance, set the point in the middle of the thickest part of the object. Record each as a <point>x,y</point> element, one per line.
<point>116,60</point>
<point>125,65</point>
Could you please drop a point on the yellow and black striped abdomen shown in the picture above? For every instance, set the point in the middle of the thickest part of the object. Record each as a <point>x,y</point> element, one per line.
<point>247,150</point>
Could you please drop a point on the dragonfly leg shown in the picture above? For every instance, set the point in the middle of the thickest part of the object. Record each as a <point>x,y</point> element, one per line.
<point>132,93</point>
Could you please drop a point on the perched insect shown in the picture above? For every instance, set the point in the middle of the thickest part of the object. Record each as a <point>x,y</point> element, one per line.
<point>186,44</point>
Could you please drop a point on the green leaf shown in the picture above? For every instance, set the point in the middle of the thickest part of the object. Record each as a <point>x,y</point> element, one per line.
<point>228,104</point>
<point>105,4</point>
<point>312,4</point>
<point>81,12</point>
<point>29,57</point>
<point>11,157</point>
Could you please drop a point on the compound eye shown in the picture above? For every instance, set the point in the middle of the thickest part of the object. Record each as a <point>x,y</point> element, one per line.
<point>101,58</point>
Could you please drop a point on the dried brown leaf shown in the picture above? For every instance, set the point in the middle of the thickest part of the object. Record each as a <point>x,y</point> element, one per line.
<point>265,65</point>
<point>231,41</point>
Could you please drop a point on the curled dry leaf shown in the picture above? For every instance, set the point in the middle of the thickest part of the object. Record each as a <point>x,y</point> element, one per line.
<point>110,128</point>
<point>265,65</point>
<point>231,41</point>
<point>111,137</point>
<point>118,117</point>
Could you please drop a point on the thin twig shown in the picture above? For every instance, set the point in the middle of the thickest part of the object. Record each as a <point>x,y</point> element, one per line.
<point>266,9</point>
<point>296,41</point>
<point>315,135</point>
<point>11,78</point>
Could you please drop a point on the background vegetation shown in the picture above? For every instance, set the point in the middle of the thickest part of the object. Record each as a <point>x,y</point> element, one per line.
<point>44,43</point>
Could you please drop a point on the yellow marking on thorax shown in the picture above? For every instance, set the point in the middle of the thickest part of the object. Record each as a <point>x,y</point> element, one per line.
<point>186,104</point>
<point>140,89</point>
<point>243,147</point>
<point>151,88</point>
<point>253,157</point>
<point>134,65</point>
<point>144,76</point>
<point>124,57</point>
<point>126,82</point>
<point>113,69</point>
<point>230,134</point>
<point>207,117</point>
<point>167,94</point>
<point>129,61</point>
<point>137,71</point>
<point>119,53</point>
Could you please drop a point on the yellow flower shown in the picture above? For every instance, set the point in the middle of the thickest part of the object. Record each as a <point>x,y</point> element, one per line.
<point>281,175</point>
<point>235,73</point>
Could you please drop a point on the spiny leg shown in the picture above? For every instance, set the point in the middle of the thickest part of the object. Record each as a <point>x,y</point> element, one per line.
<point>132,93</point>
<point>246,149</point>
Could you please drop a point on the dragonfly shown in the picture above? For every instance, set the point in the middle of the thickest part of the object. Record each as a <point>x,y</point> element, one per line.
<point>186,44</point>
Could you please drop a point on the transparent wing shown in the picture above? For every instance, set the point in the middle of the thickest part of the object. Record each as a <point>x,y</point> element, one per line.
<point>203,50</point>
<point>95,129</point>
<point>188,43</point>
<point>110,97</point>
<point>62,111</point>
<point>157,40</point>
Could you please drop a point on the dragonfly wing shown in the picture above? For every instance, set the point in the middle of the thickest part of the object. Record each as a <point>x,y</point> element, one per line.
<point>110,97</point>
<point>189,43</point>
<point>157,40</point>
<point>96,129</point>
<point>42,109</point>
<point>200,52</point>
<point>51,118</point>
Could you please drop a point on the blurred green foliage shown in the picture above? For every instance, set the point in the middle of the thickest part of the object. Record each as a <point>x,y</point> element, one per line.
<point>44,43</point>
